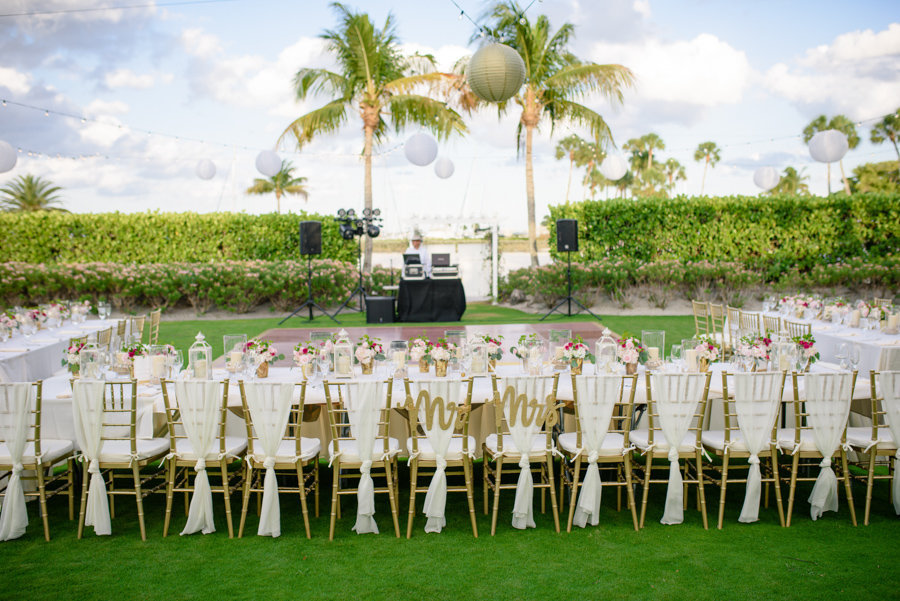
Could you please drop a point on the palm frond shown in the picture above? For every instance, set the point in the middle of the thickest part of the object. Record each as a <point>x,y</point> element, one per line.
<point>326,119</point>
<point>320,81</point>
<point>579,79</point>
<point>432,114</point>
<point>561,110</point>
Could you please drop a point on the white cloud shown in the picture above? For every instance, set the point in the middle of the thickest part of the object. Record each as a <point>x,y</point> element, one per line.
<point>14,81</point>
<point>201,44</point>
<point>857,75</point>
<point>126,78</point>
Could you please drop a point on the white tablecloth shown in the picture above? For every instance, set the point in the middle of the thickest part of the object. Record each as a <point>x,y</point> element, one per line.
<point>41,356</point>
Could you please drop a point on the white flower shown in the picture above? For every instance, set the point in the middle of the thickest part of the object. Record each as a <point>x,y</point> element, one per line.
<point>440,354</point>
<point>363,354</point>
<point>629,355</point>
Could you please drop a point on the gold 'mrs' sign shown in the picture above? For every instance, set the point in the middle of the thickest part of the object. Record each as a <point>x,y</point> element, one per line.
<point>446,412</point>
<point>529,412</point>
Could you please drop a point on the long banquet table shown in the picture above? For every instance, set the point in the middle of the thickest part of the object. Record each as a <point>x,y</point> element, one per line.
<point>40,357</point>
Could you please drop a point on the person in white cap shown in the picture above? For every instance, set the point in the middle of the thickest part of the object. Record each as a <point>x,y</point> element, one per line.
<point>416,246</point>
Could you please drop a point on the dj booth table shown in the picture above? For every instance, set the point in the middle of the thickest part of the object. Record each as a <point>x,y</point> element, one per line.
<point>431,300</point>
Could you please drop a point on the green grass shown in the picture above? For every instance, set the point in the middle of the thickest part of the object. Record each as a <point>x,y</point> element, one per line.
<point>181,333</point>
<point>826,559</point>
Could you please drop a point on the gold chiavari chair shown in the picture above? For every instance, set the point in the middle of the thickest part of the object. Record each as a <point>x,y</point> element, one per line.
<point>513,409</point>
<point>104,339</point>
<point>750,320</point>
<point>761,406</point>
<point>183,458</point>
<point>797,328</point>
<point>136,327</point>
<point>733,323</point>
<point>883,302</point>
<point>296,456</point>
<point>155,317</point>
<point>826,399</point>
<point>122,450</point>
<point>347,458</point>
<point>121,329</point>
<point>431,411</point>
<point>613,456</point>
<point>39,455</point>
<point>680,397</point>
<point>878,440</point>
<point>717,324</point>
<point>701,317</point>
<point>772,323</point>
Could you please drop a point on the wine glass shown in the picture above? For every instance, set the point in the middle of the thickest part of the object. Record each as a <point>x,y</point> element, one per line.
<point>854,356</point>
<point>676,354</point>
<point>29,329</point>
<point>843,350</point>
<point>177,359</point>
<point>103,310</point>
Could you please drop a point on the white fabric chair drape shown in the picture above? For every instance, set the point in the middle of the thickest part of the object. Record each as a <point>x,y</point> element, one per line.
<point>522,431</point>
<point>890,390</point>
<point>448,391</point>
<point>200,403</point>
<point>16,401</point>
<point>87,396</point>
<point>597,396</point>
<point>828,399</point>
<point>365,401</point>
<point>270,407</point>
<point>676,397</point>
<point>756,400</point>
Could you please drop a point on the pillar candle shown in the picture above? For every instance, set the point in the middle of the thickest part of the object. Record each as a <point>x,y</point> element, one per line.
<point>141,368</point>
<point>235,358</point>
<point>854,318</point>
<point>343,364</point>
<point>893,321</point>
<point>653,353</point>
<point>158,366</point>
<point>690,358</point>
<point>399,359</point>
<point>558,354</point>
<point>200,370</point>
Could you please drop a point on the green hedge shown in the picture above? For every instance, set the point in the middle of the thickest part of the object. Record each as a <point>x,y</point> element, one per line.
<point>238,286</point>
<point>52,237</point>
<point>770,234</point>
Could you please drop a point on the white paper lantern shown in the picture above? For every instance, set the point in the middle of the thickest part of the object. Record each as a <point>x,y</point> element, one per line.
<point>496,72</point>
<point>766,178</point>
<point>8,157</point>
<point>206,169</point>
<point>828,146</point>
<point>614,167</point>
<point>443,167</point>
<point>420,149</point>
<point>268,163</point>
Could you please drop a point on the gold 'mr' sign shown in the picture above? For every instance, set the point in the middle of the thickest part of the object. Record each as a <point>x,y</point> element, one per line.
<point>529,411</point>
<point>446,412</point>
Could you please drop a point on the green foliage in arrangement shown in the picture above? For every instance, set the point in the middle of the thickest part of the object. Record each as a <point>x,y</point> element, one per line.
<point>153,237</point>
<point>770,234</point>
<point>233,285</point>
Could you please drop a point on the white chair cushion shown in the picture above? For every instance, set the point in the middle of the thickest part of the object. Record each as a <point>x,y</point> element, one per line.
<point>641,439</point>
<point>51,450</point>
<point>454,451</point>
<point>861,437</point>
<point>119,451</point>
<point>786,440</point>
<point>612,445</point>
<point>234,445</point>
<point>538,445</point>
<point>715,439</point>
<point>350,449</point>
<point>309,448</point>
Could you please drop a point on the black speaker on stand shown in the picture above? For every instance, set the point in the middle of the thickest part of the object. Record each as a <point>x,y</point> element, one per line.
<point>310,244</point>
<point>567,242</point>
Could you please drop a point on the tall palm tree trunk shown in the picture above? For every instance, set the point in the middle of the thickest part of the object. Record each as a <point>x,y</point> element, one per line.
<point>367,249</point>
<point>569,185</point>
<point>277,200</point>
<point>529,190</point>
<point>829,178</point>
<point>703,181</point>
<point>844,178</point>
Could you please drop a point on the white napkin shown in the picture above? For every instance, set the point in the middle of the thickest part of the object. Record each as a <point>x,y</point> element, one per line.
<point>10,349</point>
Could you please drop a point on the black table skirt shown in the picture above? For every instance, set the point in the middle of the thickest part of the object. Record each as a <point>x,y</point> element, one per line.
<point>431,300</point>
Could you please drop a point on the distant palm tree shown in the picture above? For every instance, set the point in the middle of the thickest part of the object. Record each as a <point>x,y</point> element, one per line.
<point>376,81</point>
<point>30,193</point>
<point>887,129</point>
<point>281,183</point>
<point>555,80</point>
<point>710,153</point>
<point>843,125</point>
<point>643,148</point>
<point>792,183</point>
<point>674,172</point>
<point>590,156</point>
<point>566,148</point>
<point>647,176</point>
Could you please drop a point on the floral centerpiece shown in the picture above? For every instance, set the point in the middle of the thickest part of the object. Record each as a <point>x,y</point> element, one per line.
<point>575,352</point>
<point>124,363</point>
<point>526,341</point>
<point>368,350</point>
<point>72,357</point>
<point>835,309</point>
<point>304,354</point>
<point>809,354</point>
<point>494,348</point>
<point>263,353</point>
<point>755,349</point>
<point>79,311</point>
<point>419,349</point>
<point>440,355</point>
<point>630,351</point>
<point>8,324</point>
<point>707,351</point>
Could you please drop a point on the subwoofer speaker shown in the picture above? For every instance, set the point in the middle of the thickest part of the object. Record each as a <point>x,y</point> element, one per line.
<point>310,237</point>
<point>567,235</point>
<point>379,309</point>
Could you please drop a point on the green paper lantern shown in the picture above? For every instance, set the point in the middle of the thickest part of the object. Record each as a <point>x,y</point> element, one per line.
<point>496,72</point>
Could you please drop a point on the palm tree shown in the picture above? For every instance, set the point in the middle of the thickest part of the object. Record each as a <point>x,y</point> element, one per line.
<point>281,183</point>
<point>674,172</point>
<point>567,147</point>
<point>643,148</point>
<point>30,193</point>
<point>555,80</point>
<point>887,129</point>
<point>710,153</point>
<point>377,82</point>
<point>792,183</point>
<point>590,156</point>
<point>647,176</point>
<point>843,125</point>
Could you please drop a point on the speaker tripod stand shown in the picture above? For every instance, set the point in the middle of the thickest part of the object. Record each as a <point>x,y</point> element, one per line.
<point>309,303</point>
<point>569,298</point>
<point>359,290</point>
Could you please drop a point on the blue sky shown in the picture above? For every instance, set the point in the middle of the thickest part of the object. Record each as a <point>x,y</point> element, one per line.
<point>212,81</point>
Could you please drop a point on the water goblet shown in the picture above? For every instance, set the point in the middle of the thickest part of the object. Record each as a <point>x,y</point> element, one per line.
<point>843,350</point>
<point>676,354</point>
<point>854,356</point>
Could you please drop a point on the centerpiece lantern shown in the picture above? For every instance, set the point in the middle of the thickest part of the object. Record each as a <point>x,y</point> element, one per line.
<point>605,352</point>
<point>343,356</point>
<point>200,358</point>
